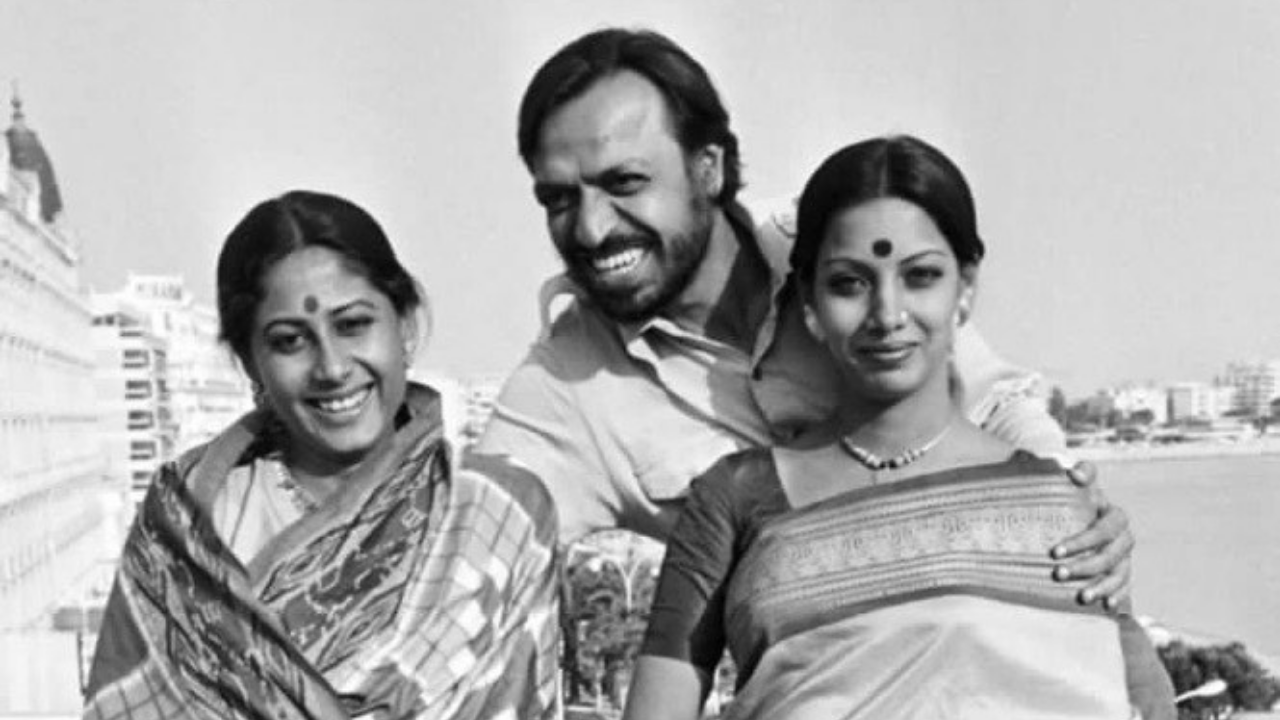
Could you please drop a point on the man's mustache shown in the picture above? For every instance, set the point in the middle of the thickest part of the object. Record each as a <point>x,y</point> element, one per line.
<point>613,244</point>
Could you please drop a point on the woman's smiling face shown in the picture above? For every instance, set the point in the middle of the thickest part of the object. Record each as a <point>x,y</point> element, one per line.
<point>331,354</point>
<point>886,293</point>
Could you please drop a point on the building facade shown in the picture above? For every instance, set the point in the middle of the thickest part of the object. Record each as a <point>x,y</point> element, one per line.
<point>1257,384</point>
<point>1200,401</point>
<point>165,382</point>
<point>135,419</point>
<point>51,470</point>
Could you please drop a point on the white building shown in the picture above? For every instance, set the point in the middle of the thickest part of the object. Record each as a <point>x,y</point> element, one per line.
<point>1257,384</point>
<point>1200,401</point>
<point>136,428</point>
<point>1130,399</point>
<point>51,469</point>
<point>208,390</point>
<point>165,382</point>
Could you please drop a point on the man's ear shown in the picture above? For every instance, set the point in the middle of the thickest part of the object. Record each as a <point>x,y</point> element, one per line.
<point>811,323</point>
<point>708,169</point>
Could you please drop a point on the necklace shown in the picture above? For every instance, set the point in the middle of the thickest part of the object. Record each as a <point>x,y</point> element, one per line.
<point>301,499</point>
<point>875,463</point>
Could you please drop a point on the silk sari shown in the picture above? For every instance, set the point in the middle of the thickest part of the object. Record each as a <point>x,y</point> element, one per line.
<point>416,591</point>
<point>926,598</point>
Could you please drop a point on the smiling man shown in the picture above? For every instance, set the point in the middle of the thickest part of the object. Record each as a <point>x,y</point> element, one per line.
<point>683,339</point>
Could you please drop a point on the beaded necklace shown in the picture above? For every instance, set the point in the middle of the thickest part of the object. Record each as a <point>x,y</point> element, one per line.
<point>875,463</point>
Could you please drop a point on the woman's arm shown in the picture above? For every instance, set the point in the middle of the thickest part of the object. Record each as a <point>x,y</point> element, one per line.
<point>666,689</point>
<point>1150,689</point>
<point>685,638</point>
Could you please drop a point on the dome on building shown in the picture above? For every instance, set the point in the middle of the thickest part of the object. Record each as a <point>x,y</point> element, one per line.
<point>26,153</point>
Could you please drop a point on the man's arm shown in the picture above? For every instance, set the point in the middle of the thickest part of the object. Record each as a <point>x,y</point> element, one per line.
<point>1008,402</point>
<point>538,423</point>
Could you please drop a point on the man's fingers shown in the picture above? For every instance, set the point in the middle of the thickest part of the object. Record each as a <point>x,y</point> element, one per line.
<point>1112,525</point>
<point>1112,589</point>
<point>1083,473</point>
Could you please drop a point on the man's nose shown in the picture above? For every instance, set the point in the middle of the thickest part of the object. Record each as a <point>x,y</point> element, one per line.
<point>597,219</point>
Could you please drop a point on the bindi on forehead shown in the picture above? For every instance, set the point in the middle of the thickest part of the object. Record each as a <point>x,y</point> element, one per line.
<point>882,247</point>
<point>310,304</point>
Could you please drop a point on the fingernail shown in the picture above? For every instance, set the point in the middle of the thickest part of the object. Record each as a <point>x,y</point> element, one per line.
<point>1060,573</point>
<point>1086,597</point>
<point>1109,603</point>
<point>1057,552</point>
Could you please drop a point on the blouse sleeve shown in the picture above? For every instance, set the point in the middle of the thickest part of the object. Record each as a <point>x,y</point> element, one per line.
<point>686,619</point>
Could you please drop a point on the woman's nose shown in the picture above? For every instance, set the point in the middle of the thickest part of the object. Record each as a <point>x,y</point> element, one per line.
<point>332,361</point>
<point>887,309</point>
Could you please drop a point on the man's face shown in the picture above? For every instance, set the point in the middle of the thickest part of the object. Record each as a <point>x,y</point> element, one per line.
<point>629,210</point>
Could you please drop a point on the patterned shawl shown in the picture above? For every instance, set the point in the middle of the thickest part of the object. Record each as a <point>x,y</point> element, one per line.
<point>416,591</point>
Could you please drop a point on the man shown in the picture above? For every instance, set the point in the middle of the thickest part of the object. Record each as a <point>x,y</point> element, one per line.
<point>683,339</point>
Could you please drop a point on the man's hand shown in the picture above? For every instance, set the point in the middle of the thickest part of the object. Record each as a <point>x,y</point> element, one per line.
<point>1102,552</point>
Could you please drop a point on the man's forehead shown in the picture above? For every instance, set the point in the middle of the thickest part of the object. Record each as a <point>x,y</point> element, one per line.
<point>614,111</point>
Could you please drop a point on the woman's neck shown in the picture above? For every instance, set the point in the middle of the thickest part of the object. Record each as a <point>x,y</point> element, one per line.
<point>323,476</point>
<point>890,428</point>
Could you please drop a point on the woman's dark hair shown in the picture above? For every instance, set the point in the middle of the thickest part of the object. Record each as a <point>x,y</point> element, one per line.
<point>698,115</point>
<point>898,166</point>
<point>274,229</point>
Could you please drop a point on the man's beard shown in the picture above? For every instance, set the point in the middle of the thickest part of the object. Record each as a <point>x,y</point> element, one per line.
<point>678,260</point>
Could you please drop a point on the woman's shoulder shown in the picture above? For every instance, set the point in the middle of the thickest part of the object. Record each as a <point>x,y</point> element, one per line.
<point>744,485</point>
<point>739,470</point>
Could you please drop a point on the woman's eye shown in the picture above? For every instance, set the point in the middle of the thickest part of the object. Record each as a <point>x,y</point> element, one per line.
<point>286,343</point>
<point>846,285</point>
<point>354,325</point>
<point>923,276</point>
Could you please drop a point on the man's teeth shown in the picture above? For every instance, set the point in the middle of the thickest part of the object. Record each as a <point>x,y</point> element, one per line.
<point>618,261</point>
<point>343,404</point>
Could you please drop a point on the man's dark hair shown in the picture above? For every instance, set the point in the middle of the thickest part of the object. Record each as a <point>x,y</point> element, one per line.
<point>699,116</point>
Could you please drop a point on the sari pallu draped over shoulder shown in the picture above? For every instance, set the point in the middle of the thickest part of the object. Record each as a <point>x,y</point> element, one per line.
<point>416,591</point>
<point>927,598</point>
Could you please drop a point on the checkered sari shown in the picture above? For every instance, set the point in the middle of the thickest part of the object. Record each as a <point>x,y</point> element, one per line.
<point>418,591</point>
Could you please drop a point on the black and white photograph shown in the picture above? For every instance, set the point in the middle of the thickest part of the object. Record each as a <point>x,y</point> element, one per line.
<point>608,360</point>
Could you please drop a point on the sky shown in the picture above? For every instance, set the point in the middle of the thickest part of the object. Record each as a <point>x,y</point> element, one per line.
<point>1125,157</point>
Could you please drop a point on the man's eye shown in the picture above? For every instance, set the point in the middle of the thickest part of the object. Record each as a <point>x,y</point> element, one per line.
<point>554,201</point>
<point>628,184</point>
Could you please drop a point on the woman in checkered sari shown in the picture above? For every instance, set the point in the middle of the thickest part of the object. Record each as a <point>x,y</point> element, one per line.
<point>323,558</point>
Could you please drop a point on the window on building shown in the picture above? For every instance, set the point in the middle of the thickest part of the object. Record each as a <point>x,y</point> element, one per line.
<point>141,419</point>
<point>135,358</point>
<point>142,450</point>
<point>137,389</point>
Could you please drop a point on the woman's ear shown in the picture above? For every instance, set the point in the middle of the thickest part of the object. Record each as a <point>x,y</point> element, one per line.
<point>813,325</point>
<point>968,291</point>
<point>409,337</point>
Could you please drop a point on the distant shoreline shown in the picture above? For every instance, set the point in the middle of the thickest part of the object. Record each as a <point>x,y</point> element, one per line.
<point>1133,452</point>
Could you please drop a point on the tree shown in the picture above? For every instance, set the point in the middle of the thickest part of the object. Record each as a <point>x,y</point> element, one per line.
<point>1249,685</point>
<point>1058,405</point>
<point>605,613</point>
